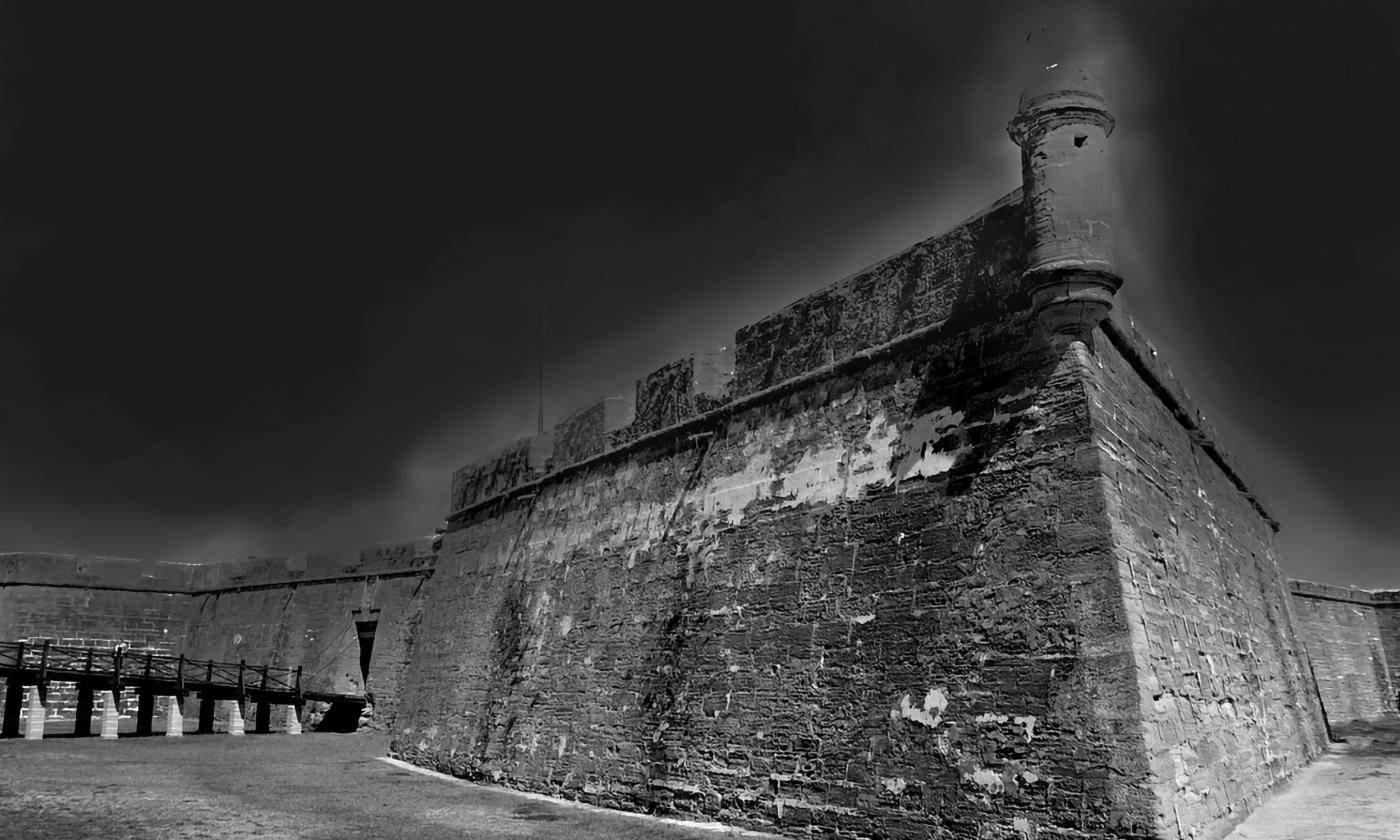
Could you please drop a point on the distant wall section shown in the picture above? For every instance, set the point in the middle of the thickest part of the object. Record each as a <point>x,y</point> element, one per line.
<point>304,612</point>
<point>1351,637</point>
<point>96,602</point>
<point>285,612</point>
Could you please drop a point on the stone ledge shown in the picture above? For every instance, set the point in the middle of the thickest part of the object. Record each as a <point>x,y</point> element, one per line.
<point>1144,358</point>
<point>71,571</point>
<point>1329,592</point>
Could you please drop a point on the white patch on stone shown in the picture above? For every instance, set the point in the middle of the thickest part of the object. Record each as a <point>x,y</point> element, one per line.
<point>1023,827</point>
<point>565,625</point>
<point>895,786</point>
<point>988,780</point>
<point>990,717</point>
<point>1027,721</point>
<point>1019,395</point>
<point>935,703</point>
<point>932,462</point>
<point>861,619</point>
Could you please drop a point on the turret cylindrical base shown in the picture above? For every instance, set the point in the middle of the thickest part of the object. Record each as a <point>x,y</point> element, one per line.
<point>1071,303</point>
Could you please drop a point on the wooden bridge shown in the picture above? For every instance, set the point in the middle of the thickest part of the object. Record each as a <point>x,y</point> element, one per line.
<point>150,675</point>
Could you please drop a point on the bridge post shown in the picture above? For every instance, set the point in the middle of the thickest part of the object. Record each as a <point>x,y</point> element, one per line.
<point>294,720</point>
<point>110,699</point>
<point>262,722</point>
<point>235,716</point>
<point>206,713</point>
<point>145,711</point>
<point>82,721</point>
<point>174,717</point>
<point>14,698</point>
<point>34,725</point>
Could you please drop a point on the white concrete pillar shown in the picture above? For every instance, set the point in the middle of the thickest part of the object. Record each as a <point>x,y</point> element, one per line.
<point>109,716</point>
<point>34,725</point>
<point>174,718</point>
<point>293,721</point>
<point>235,717</point>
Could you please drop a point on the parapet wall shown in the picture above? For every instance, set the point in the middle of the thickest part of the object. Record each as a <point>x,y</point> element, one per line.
<point>1353,641</point>
<point>940,285</point>
<point>285,611</point>
<point>899,572</point>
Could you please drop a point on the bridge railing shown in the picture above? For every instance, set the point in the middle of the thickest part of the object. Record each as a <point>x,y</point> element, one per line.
<point>125,666</point>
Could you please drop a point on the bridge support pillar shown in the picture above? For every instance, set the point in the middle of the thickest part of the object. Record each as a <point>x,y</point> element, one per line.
<point>14,699</point>
<point>293,720</point>
<point>262,723</point>
<point>174,718</point>
<point>82,719</point>
<point>109,715</point>
<point>235,717</point>
<point>34,724</point>
<point>206,714</point>
<point>145,712</point>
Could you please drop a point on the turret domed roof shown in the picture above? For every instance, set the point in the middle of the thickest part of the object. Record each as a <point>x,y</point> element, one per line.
<point>1060,84</point>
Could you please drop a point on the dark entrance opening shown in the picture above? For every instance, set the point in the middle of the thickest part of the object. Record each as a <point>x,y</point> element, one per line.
<point>365,630</point>
<point>341,716</point>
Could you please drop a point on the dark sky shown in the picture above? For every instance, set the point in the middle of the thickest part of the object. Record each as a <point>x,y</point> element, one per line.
<point>267,275</point>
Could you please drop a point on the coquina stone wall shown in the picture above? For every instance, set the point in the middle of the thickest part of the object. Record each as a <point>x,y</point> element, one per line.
<point>1350,635</point>
<point>1227,704</point>
<point>911,569</point>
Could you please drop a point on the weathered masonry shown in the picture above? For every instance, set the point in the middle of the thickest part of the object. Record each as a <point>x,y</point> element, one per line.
<point>346,622</point>
<point>1352,637</point>
<point>940,550</point>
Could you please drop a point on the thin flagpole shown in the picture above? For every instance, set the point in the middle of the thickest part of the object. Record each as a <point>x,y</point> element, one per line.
<point>539,425</point>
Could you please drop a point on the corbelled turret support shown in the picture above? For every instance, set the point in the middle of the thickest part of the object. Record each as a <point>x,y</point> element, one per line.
<point>1062,127</point>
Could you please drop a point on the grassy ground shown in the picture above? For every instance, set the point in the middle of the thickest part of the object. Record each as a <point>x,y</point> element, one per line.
<point>309,787</point>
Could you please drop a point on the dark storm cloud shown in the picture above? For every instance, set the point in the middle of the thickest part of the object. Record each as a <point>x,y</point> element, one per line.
<point>268,280</point>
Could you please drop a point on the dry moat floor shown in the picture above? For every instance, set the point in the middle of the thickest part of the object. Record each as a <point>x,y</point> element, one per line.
<point>332,787</point>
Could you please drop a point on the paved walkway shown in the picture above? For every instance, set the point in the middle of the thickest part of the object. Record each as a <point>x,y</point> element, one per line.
<point>1352,793</point>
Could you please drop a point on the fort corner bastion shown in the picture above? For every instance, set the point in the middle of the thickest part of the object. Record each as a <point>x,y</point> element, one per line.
<point>941,550</point>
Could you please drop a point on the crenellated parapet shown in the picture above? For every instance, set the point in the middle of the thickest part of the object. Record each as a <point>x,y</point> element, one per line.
<point>683,389</point>
<point>1042,254</point>
<point>965,276</point>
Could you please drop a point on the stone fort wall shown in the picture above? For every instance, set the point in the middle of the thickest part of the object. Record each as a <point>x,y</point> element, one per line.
<point>1353,642</point>
<point>276,611</point>
<point>1226,704</point>
<point>908,568</point>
